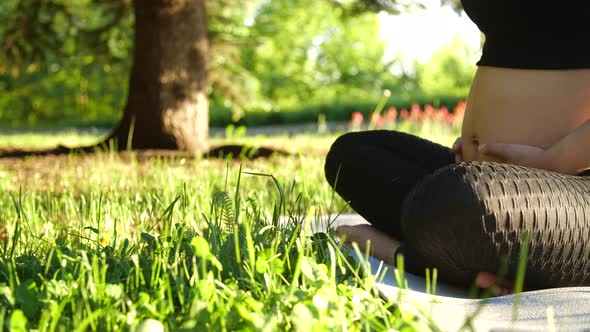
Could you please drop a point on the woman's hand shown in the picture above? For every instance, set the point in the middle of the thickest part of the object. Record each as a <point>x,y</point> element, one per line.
<point>458,149</point>
<point>518,154</point>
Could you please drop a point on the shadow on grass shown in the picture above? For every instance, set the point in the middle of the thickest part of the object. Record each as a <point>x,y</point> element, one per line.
<point>231,151</point>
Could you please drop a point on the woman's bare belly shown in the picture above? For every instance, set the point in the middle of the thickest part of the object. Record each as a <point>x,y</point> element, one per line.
<point>533,107</point>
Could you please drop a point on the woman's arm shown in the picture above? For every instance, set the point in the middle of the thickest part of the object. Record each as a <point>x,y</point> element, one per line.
<point>570,155</point>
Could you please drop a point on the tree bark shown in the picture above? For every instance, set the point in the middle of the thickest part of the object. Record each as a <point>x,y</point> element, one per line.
<point>167,105</point>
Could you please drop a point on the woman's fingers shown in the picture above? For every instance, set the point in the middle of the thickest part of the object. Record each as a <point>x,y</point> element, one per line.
<point>485,279</point>
<point>457,148</point>
<point>457,145</point>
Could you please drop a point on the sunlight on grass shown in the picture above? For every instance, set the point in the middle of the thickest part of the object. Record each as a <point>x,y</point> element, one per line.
<point>112,241</point>
<point>304,142</point>
<point>50,138</point>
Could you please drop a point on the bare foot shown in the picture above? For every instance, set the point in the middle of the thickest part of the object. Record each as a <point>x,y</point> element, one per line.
<point>381,245</point>
<point>499,287</point>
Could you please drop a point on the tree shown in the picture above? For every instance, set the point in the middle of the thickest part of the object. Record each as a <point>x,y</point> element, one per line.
<point>167,100</point>
<point>167,105</point>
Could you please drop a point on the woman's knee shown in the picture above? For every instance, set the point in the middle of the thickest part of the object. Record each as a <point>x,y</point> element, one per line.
<point>444,198</point>
<point>350,146</point>
<point>444,207</point>
<point>342,149</point>
<point>452,217</point>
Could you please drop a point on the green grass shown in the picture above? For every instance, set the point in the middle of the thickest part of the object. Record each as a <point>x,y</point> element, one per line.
<point>114,241</point>
<point>314,142</point>
<point>42,139</point>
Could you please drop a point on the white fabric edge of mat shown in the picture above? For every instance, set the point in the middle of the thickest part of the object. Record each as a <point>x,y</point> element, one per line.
<point>571,307</point>
<point>451,307</point>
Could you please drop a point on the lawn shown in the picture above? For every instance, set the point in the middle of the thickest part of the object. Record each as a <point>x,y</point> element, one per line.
<point>135,242</point>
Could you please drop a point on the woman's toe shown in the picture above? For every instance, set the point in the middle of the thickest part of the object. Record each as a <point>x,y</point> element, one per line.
<point>485,280</point>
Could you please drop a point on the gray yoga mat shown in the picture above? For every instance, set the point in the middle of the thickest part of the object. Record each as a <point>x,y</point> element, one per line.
<point>558,309</point>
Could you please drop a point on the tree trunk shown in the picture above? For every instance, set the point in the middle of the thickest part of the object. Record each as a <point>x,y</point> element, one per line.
<point>167,106</point>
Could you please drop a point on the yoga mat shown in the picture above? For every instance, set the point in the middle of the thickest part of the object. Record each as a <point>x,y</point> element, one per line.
<point>450,307</point>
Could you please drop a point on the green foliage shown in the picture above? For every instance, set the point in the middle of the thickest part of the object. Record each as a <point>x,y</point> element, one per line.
<point>64,60</point>
<point>7,12</point>
<point>354,7</point>
<point>450,71</point>
<point>18,321</point>
<point>40,30</point>
<point>67,93</point>
<point>309,51</point>
<point>232,84</point>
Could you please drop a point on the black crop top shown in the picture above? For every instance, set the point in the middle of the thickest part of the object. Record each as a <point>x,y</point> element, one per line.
<point>533,34</point>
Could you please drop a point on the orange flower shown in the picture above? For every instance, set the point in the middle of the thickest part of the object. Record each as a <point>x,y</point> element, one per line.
<point>392,113</point>
<point>416,113</point>
<point>405,114</point>
<point>356,120</point>
<point>451,118</point>
<point>376,120</point>
<point>390,116</point>
<point>441,114</point>
<point>3,233</point>
<point>357,117</point>
<point>429,112</point>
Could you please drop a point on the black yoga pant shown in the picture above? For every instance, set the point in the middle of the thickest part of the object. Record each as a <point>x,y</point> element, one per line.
<point>469,217</point>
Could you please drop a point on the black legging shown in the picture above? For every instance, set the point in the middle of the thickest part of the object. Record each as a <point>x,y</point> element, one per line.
<point>465,218</point>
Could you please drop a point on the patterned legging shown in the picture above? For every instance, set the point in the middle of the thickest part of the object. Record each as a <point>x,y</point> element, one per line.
<point>465,218</point>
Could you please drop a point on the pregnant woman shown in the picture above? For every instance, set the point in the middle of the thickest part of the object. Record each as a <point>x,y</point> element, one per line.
<point>517,168</point>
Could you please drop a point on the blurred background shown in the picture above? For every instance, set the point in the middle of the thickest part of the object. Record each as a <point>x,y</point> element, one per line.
<point>272,61</point>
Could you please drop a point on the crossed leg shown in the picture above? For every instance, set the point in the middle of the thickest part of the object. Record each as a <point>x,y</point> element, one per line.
<point>374,171</point>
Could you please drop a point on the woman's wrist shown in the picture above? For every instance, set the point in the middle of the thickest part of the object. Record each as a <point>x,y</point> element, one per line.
<point>569,155</point>
<point>549,161</point>
<point>555,161</point>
